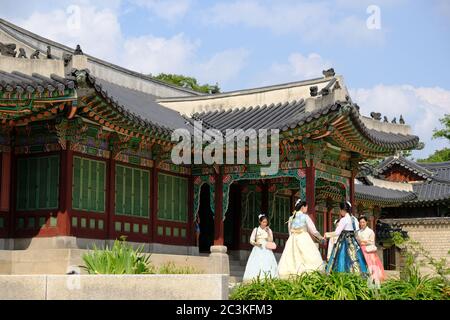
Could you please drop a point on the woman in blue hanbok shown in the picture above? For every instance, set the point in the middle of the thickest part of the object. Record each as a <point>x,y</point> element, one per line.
<point>346,255</point>
<point>261,262</point>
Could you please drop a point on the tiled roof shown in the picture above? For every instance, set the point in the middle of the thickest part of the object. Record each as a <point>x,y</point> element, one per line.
<point>140,105</point>
<point>431,191</point>
<point>412,166</point>
<point>435,187</point>
<point>16,82</point>
<point>286,116</point>
<point>440,170</point>
<point>365,192</point>
<point>259,117</point>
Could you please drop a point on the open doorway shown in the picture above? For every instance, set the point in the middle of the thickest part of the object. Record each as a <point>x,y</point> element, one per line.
<point>232,220</point>
<point>206,220</point>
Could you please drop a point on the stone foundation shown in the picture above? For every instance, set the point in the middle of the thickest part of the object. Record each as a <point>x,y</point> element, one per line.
<point>114,287</point>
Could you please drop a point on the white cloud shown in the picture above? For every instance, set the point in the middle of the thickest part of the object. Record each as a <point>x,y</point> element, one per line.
<point>170,10</point>
<point>95,26</point>
<point>80,24</point>
<point>421,108</point>
<point>223,66</point>
<point>312,21</point>
<point>150,54</point>
<point>298,67</point>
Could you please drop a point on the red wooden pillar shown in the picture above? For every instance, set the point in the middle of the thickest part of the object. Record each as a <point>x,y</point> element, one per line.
<point>5,186</point>
<point>65,187</point>
<point>218,214</point>
<point>110,196</point>
<point>352,193</point>
<point>310,191</point>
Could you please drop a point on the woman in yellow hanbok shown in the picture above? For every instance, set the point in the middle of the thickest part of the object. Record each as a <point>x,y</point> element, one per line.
<point>300,253</point>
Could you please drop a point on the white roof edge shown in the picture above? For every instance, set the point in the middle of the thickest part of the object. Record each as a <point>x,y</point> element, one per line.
<point>288,85</point>
<point>70,50</point>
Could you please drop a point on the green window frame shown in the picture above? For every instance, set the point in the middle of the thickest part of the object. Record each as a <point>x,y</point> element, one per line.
<point>89,185</point>
<point>251,210</point>
<point>38,183</point>
<point>280,213</point>
<point>132,194</point>
<point>172,198</point>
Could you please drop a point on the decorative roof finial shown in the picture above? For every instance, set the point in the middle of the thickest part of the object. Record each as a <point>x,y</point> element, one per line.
<point>49,52</point>
<point>313,91</point>
<point>394,120</point>
<point>78,51</point>
<point>328,73</point>
<point>385,119</point>
<point>402,121</point>
<point>376,115</point>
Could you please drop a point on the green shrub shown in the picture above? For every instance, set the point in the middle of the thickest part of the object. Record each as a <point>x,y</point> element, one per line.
<point>122,258</point>
<point>171,268</point>
<point>341,286</point>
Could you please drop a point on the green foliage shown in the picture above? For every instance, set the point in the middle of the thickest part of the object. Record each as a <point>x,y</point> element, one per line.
<point>347,286</point>
<point>187,82</point>
<point>438,156</point>
<point>340,286</point>
<point>444,154</point>
<point>171,268</point>
<point>122,258</point>
<point>444,132</point>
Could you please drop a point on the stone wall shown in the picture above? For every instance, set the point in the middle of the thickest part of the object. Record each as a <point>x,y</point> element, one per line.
<point>432,233</point>
<point>114,287</point>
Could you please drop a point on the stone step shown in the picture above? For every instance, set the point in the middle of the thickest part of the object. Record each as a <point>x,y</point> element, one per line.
<point>237,275</point>
<point>237,268</point>
<point>235,279</point>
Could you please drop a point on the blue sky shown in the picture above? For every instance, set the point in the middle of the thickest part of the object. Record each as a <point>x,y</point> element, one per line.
<point>402,67</point>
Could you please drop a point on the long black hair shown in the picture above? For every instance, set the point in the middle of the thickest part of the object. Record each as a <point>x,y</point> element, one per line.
<point>299,204</point>
<point>346,206</point>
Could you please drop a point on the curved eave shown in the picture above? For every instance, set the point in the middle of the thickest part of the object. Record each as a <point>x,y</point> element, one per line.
<point>119,118</point>
<point>343,124</point>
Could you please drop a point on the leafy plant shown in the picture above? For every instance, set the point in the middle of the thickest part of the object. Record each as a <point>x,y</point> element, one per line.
<point>187,82</point>
<point>171,268</point>
<point>122,258</point>
<point>340,286</point>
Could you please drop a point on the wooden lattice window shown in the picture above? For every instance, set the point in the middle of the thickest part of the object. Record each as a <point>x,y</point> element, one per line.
<point>280,214</point>
<point>172,198</point>
<point>251,209</point>
<point>89,185</point>
<point>132,191</point>
<point>38,183</point>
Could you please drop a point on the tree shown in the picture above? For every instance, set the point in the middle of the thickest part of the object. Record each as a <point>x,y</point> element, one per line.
<point>438,156</point>
<point>445,132</point>
<point>187,82</point>
<point>444,154</point>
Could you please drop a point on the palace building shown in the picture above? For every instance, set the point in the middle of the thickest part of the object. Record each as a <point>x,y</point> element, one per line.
<point>85,155</point>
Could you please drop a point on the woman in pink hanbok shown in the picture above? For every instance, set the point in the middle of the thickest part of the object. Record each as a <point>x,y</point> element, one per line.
<point>366,239</point>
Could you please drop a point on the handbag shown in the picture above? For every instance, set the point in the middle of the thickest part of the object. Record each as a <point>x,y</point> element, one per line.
<point>371,248</point>
<point>271,245</point>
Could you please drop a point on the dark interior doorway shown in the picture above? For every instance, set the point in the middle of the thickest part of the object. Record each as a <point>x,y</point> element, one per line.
<point>232,220</point>
<point>206,221</point>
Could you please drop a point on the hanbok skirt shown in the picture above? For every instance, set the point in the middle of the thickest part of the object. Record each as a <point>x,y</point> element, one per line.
<point>374,265</point>
<point>261,263</point>
<point>347,255</point>
<point>300,255</point>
